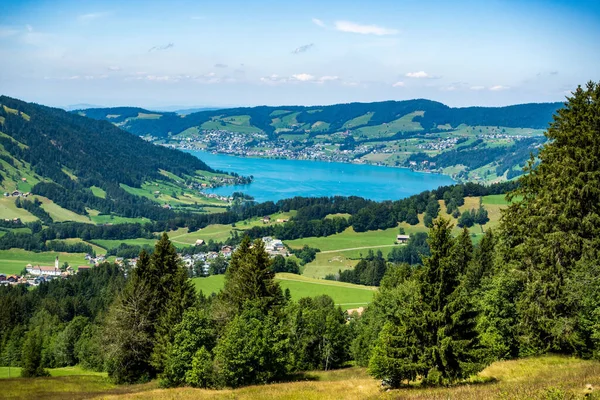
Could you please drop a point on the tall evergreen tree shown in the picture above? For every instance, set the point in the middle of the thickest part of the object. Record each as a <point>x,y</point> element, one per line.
<point>433,333</point>
<point>249,278</point>
<point>555,225</point>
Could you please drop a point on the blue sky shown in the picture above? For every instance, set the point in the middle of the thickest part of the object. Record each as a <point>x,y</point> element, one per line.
<point>224,53</point>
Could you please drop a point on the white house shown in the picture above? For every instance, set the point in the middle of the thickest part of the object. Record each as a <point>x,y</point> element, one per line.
<point>48,271</point>
<point>402,238</point>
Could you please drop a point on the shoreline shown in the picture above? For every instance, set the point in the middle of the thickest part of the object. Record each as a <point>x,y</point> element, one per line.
<point>315,160</point>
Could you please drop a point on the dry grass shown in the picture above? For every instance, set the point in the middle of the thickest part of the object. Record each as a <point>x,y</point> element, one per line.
<point>550,377</point>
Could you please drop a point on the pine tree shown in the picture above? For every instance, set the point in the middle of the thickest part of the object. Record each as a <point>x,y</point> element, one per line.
<point>31,357</point>
<point>554,225</point>
<point>249,278</point>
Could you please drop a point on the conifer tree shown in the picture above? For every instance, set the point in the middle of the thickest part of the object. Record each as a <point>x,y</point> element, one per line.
<point>433,333</point>
<point>249,278</point>
<point>554,225</point>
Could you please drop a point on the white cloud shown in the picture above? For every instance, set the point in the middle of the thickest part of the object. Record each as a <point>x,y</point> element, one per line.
<point>477,87</point>
<point>91,16</point>
<point>318,22</point>
<point>347,26</point>
<point>273,79</point>
<point>419,74</point>
<point>498,88</point>
<point>303,77</point>
<point>114,68</point>
<point>398,84</point>
<point>29,28</point>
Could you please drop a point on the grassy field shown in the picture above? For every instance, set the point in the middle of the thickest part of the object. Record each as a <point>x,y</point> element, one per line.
<point>348,239</point>
<point>109,243</point>
<point>66,371</point>
<point>14,260</point>
<point>8,210</point>
<point>345,295</point>
<point>60,214</point>
<point>343,250</point>
<point>548,377</point>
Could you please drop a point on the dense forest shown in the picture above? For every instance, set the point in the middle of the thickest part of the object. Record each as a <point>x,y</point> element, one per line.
<point>534,116</point>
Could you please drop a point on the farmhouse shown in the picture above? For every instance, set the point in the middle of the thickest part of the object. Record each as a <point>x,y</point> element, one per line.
<point>402,238</point>
<point>199,242</point>
<point>266,219</point>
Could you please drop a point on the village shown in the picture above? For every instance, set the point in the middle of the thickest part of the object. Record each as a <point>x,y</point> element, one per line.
<point>197,264</point>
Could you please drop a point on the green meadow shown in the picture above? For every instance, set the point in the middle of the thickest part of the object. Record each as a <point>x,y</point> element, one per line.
<point>343,294</point>
<point>14,260</point>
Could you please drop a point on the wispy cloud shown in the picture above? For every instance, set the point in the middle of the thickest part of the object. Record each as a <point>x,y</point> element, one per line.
<point>347,26</point>
<point>328,78</point>
<point>449,88</point>
<point>302,49</point>
<point>6,32</point>
<point>498,88</point>
<point>91,16</point>
<point>477,87</point>
<point>420,75</point>
<point>159,48</point>
<point>318,22</point>
<point>298,78</point>
<point>398,84</point>
<point>114,68</point>
<point>29,28</point>
<point>219,65</point>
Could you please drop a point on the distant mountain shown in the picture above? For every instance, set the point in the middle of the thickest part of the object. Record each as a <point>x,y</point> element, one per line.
<point>319,120</point>
<point>82,163</point>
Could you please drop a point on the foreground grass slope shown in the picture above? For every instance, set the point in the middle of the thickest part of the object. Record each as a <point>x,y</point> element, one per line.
<point>549,377</point>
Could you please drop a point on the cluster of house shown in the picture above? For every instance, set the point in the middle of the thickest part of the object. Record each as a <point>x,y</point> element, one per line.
<point>17,193</point>
<point>267,220</point>
<point>189,260</point>
<point>36,274</point>
<point>274,247</point>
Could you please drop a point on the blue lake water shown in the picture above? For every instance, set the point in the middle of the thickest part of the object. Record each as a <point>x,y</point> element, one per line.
<point>280,179</point>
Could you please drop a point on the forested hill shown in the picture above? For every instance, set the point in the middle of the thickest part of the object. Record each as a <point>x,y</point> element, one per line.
<point>430,115</point>
<point>64,156</point>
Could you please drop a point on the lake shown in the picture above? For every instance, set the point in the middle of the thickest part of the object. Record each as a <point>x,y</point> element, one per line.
<point>276,179</point>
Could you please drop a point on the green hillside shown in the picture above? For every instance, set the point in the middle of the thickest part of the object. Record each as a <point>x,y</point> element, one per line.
<point>472,143</point>
<point>83,169</point>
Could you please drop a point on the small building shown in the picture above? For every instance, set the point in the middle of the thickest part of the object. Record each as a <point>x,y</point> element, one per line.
<point>2,277</point>
<point>402,238</point>
<point>266,220</point>
<point>12,278</point>
<point>199,242</point>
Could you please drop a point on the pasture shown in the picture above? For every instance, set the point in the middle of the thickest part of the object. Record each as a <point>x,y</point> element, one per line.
<point>346,295</point>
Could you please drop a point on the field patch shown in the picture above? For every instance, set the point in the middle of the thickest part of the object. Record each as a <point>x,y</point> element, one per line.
<point>14,260</point>
<point>346,295</point>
